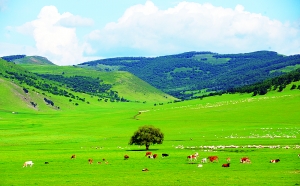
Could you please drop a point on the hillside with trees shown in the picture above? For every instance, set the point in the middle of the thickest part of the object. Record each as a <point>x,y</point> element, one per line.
<point>74,89</point>
<point>78,85</point>
<point>196,71</point>
<point>273,84</point>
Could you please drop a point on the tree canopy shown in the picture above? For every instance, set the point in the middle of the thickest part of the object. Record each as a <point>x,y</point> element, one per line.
<point>147,135</point>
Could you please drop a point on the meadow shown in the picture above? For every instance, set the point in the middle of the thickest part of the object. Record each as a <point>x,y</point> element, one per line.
<point>103,130</point>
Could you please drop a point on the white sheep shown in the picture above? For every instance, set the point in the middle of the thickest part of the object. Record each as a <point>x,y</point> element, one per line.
<point>28,163</point>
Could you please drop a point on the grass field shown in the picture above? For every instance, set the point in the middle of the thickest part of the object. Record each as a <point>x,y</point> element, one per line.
<point>103,131</point>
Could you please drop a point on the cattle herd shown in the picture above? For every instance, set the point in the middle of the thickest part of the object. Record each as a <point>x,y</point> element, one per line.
<point>191,158</point>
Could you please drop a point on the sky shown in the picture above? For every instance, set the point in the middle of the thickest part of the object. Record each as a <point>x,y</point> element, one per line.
<point>69,32</point>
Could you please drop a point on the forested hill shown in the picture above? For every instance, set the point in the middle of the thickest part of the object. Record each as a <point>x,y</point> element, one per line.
<point>194,71</point>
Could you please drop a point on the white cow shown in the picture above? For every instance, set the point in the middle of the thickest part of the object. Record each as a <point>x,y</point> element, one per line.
<point>204,160</point>
<point>28,163</point>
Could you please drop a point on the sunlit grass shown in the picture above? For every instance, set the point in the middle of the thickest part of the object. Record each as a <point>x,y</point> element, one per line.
<point>102,130</point>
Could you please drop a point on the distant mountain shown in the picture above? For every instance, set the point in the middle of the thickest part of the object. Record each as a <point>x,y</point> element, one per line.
<point>23,59</point>
<point>186,74</point>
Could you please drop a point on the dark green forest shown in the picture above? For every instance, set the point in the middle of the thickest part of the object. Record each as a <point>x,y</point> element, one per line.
<point>194,71</point>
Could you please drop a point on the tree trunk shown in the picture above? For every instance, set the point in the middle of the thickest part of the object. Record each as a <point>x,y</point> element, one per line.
<point>147,147</point>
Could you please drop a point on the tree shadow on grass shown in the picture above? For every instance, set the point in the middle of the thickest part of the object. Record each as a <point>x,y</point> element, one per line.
<point>192,163</point>
<point>143,150</point>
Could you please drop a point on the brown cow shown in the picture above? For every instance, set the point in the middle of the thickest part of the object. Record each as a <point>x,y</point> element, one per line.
<point>245,160</point>
<point>213,158</point>
<point>228,160</point>
<point>73,156</point>
<point>275,161</point>
<point>126,157</point>
<point>90,161</point>
<point>148,154</point>
<point>226,165</point>
<point>155,156</point>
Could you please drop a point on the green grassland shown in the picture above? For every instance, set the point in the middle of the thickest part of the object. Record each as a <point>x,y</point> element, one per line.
<point>209,58</point>
<point>287,69</point>
<point>103,129</point>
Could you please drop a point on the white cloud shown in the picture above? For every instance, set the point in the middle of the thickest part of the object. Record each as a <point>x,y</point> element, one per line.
<point>193,26</point>
<point>75,21</point>
<point>53,39</point>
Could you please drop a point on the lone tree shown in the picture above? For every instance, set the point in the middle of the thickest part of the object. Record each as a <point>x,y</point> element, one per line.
<point>147,135</point>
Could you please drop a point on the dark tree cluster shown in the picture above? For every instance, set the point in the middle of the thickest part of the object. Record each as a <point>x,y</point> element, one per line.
<point>25,90</point>
<point>33,104</point>
<point>84,84</point>
<point>80,83</point>
<point>32,80</point>
<point>49,102</point>
<point>13,57</point>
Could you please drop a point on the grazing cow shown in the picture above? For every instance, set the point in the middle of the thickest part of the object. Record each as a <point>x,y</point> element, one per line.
<point>154,156</point>
<point>204,160</point>
<point>28,163</point>
<point>148,154</point>
<point>245,160</point>
<point>226,165</point>
<point>213,158</point>
<point>228,160</point>
<point>165,155</point>
<point>145,169</point>
<point>99,162</point>
<point>275,161</point>
<point>126,157</point>
<point>73,156</point>
<point>90,161</point>
<point>192,157</point>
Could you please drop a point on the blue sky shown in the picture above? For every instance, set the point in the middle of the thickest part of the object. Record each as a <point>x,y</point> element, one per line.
<point>70,32</point>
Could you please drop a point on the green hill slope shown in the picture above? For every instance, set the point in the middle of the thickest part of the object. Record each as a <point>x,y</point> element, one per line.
<point>126,84</point>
